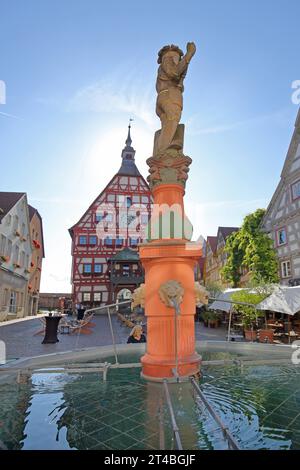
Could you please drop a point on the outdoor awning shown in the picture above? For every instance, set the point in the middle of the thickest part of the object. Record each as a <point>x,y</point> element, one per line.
<point>220,303</point>
<point>283,300</point>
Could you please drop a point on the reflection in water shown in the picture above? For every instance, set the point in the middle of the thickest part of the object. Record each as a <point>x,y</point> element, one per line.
<point>259,404</point>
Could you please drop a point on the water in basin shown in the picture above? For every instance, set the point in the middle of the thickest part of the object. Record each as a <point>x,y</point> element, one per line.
<point>260,404</point>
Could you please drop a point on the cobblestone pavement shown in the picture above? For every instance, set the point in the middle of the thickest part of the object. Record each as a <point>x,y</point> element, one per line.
<point>21,339</point>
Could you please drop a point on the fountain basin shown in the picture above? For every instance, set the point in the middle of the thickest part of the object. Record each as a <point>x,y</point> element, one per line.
<point>255,389</point>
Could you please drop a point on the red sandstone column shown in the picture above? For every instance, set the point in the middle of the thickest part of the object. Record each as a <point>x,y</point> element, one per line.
<point>165,260</point>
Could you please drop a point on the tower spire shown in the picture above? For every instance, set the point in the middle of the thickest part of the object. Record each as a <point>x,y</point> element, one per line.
<point>128,141</point>
<point>128,153</point>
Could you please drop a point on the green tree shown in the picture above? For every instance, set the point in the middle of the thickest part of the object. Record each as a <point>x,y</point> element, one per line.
<point>231,272</point>
<point>214,289</point>
<point>249,314</point>
<point>252,249</point>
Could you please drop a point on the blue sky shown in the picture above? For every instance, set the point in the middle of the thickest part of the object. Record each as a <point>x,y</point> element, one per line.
<point>76,70</point>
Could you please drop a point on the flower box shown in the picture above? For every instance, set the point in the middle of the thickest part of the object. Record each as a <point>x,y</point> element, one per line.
<point>4,259</point>
<point>17,233</point>
<point>32,264</point>
<point>17,265</point>
<point>24,239</point>
<point>36,244</point>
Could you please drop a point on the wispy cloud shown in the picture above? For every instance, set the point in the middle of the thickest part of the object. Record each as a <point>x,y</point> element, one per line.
<point>10,116</point>
<point>115,94</point>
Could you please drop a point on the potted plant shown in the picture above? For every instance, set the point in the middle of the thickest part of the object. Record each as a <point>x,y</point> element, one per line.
<point>210,318</point>
<point>4,259</point>
<point>249,314</point>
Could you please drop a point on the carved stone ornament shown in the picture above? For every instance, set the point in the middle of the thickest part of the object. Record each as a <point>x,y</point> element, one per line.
<point>168,169</point>
<point>171,291</point>
<point>138,297</point>
<point>201,294</point>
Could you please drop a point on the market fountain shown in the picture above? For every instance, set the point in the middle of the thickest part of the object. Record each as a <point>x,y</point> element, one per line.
<point>247,397</point>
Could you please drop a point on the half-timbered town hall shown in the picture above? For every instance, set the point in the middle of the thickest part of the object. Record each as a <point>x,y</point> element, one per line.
<point>106,264</point>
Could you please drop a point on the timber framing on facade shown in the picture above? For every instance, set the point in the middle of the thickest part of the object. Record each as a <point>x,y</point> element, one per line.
<point>282,218</point>
<point>215,256</point>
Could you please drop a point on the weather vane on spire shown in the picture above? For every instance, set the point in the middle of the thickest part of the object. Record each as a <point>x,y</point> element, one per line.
<point>128,140</point>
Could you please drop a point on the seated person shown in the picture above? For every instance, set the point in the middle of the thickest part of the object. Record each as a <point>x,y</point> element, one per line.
<point>136,335</point>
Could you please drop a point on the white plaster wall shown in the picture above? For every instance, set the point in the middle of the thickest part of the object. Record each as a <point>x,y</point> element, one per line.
<point>18,283</point>
<point>7,229</point>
